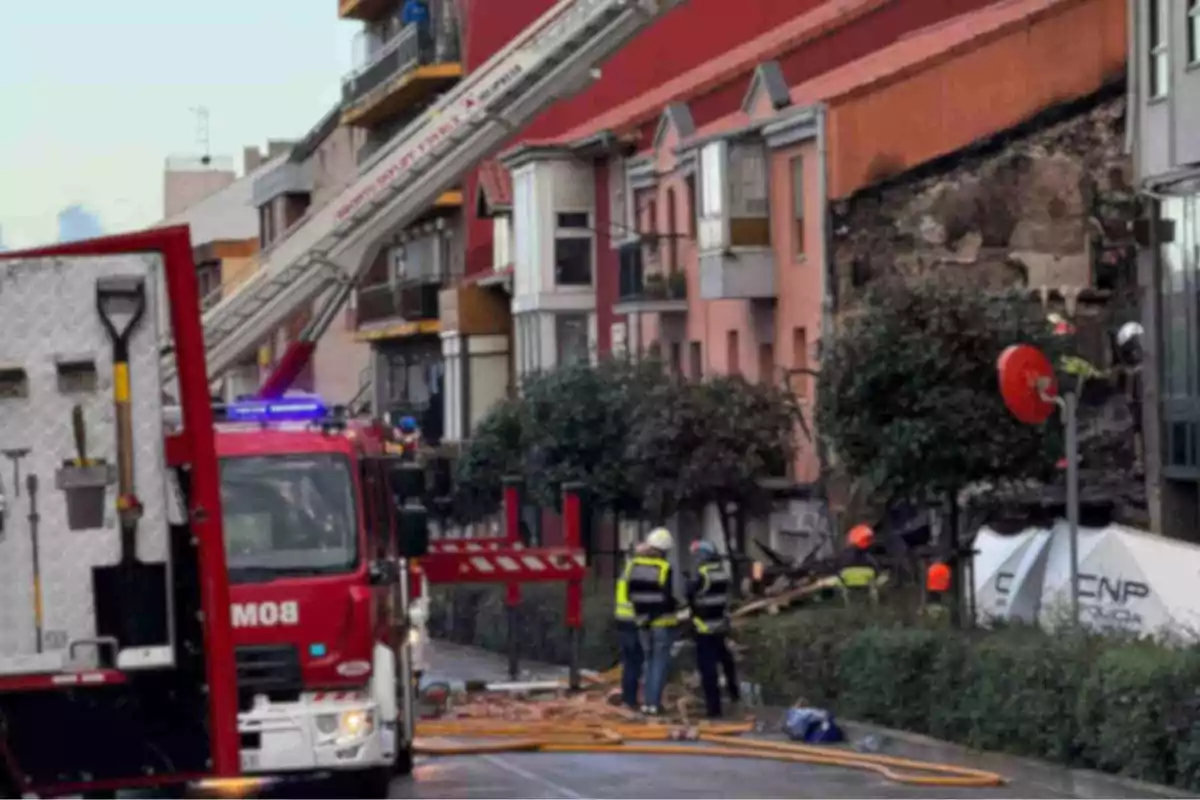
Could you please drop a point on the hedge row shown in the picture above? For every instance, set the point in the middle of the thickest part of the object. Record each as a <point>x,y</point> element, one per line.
<point>1119,706</point>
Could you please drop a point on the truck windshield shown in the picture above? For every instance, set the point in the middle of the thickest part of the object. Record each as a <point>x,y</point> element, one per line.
<point>288,515</point>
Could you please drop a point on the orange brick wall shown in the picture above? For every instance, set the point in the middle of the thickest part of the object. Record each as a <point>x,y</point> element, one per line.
<point>1064,54</point>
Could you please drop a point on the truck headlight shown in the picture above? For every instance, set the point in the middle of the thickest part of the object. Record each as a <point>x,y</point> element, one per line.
<point>357,723</point>
<point>345,726</point>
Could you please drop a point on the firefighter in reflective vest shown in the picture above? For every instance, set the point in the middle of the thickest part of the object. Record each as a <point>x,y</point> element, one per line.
<point>629,637</point>
<point>656,610</point>
<point>858,576</point>
<point>708,598</point>
<point>937,584</point>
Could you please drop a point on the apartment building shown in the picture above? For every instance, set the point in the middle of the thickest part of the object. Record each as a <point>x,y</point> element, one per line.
<point>311,173</point>
<point>612,198</point>
<point>407,53</point>
<point>217,205</point>
<point>1164,86</point>
<point>722,235</point>
<point>561,307</point>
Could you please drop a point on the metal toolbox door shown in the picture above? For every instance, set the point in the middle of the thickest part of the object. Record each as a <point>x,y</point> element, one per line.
<point>56,367</point>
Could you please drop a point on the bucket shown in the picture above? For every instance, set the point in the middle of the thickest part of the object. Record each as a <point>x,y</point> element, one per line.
<point>84,488</point>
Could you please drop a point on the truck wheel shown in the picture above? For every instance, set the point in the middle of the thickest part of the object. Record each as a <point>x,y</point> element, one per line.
<point>404,761</point>
<point>371,783</point>
<point>8,786</point>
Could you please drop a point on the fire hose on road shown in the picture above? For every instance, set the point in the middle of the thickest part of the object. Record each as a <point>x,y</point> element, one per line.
<point>586,725</point>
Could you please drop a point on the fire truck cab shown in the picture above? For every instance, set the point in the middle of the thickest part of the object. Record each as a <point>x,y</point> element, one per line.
<point>322,527</point>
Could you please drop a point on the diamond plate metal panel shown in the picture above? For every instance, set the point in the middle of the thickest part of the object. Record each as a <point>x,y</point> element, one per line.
<point>48,315</point>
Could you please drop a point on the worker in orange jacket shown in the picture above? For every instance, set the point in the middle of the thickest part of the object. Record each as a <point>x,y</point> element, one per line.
<point>937,587</point>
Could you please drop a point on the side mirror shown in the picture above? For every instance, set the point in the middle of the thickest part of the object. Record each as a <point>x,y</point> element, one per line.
<point>412,530</point>
<point>382,573</point>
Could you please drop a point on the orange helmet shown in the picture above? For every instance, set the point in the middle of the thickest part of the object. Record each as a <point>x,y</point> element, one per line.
<point>937,578</point>
<point>860,537</point>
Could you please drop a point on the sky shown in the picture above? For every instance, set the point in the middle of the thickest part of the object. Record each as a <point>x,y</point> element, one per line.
<point>96,94</point>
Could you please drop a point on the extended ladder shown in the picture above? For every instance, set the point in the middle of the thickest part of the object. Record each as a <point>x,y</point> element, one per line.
<point>553,58</point>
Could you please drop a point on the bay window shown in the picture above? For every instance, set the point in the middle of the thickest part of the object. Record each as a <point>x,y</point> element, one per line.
<point>734,202</point>
<point>712,196</point>
<point>571,339</point>
<point>573,242</point>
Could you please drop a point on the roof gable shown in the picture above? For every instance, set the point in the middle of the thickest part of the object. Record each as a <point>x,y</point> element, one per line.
<point>768,90</point>
<point>675,116</point>
<point>494,192</point>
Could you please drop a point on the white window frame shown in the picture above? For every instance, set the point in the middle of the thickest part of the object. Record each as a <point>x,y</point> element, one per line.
<point>575,233</point>
<point>618,200</point>
<point>524,233</point>
<point>502,242</point>
<point>559,318</point>
<point>749,180</point>
<point>1193,32</point>
<point>713,190</point>
<point>1158,30</point>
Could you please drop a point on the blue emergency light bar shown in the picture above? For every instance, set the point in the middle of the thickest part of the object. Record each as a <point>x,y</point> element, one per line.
<point>296,409</point>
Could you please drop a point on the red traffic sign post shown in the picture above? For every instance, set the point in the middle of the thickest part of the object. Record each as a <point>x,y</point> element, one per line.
<point>1030,391</point>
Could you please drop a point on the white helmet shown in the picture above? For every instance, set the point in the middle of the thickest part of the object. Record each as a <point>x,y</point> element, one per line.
<point>1129,332</point>
<point>661,539</point>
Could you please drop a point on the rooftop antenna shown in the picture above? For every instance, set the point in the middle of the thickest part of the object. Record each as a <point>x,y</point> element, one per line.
<point>202,137</point>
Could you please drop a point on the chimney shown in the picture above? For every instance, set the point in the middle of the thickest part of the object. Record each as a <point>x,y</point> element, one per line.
<point>253,158</point>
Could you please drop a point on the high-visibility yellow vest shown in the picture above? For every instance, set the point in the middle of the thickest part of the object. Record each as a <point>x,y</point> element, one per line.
<point>647,580</point>
<point>710,606</point>
<point>857,577</point>
<point>624,608</point>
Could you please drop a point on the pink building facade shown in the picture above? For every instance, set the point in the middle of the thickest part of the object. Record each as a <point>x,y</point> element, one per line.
<point>747,246</point>
<point>717,226</point>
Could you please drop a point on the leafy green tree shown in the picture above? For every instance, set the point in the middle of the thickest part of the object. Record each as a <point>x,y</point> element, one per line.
<point>579,420</point>
<point>908,396</point>
<point>747,435</point>
<point>713,442</point>
<point>660,449</point>
<point>496,450</point>
<point>647,444</point>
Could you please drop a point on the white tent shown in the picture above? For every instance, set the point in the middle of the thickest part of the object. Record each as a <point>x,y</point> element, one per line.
<point>1128,580</point>
<point>1008,574</point>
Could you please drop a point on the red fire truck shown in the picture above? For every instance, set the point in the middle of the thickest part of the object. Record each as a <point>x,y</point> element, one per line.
<point>321,528</point>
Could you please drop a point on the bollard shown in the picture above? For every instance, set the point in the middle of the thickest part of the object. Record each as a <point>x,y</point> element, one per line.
<point>572,535</point>
<point>513,498</point>
<point>512,601</point>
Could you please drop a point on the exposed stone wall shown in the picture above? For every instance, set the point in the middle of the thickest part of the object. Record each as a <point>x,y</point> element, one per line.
<point>1050,208</point>
<point>1049,205</point>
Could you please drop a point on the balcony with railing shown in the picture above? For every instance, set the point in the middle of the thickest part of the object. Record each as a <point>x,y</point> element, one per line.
<point>412,66</point>
<point>643,286</point>
<point>398,304</point>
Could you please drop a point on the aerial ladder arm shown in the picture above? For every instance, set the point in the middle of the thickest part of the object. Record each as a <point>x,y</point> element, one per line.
<point>327,250</point>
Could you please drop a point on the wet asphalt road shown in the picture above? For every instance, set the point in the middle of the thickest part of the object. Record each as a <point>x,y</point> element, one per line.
<point>535,775</point>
